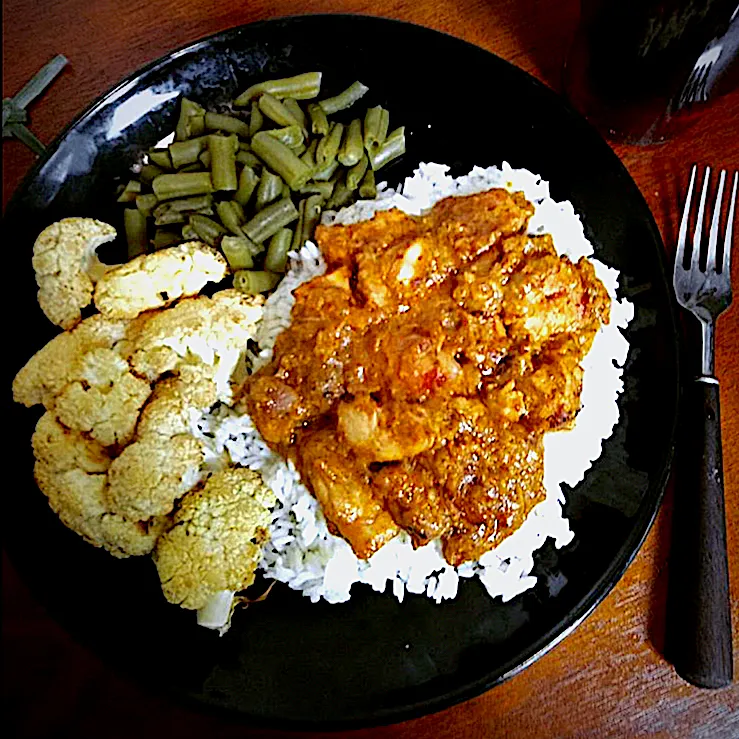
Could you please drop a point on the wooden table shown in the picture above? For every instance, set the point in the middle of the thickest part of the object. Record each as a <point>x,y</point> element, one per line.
<point>609,678</point>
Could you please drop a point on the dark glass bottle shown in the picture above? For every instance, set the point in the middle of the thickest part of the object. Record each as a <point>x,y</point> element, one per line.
<point>641,70</point>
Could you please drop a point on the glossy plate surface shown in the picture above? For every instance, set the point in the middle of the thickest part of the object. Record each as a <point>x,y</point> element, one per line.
<point>372,660</point>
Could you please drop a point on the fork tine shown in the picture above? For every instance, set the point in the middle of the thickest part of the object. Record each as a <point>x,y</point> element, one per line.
<point>726,267</point>
<point>683,233</point>
<point>698,233</point>
<point>715,223</point>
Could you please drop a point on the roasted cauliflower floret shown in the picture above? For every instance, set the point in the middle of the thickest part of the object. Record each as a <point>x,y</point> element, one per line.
<point>71,472</point>
<point>155,280</point>
<point>67,267</point>
<point>54,366</point>
<point>216,542</point>
<point>106,399</point>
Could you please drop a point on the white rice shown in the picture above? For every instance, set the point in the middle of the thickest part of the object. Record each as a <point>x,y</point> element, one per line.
<point>302,553</point>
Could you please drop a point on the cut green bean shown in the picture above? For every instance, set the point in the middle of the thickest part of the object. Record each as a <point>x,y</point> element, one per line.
<point>248,159</point>
<point>300,87</point>
<point>194,167</point>
<point>256,119</point>
<point>291,136</point>
<point>149,172</point>
<point>189,233</point>
<point>183,153</point>
<point>356,173</point>
<point>340,196</point>
<point>281,160</point>
<point>191,121</point>
<point>129,192</point>
<point>204,158</point>
<point>322,175</point>
<point>181,185</point>
<point>308,157</point>
<point>223,161</point>
<point>376,123</point>
<point>227,123</point>
<point>296,111</point>
<point>244,146</point>
<point>299,150</point>
<point>238,251</point>
<point>164,238</point>
<point>207,229</point>
<point>393,147</point>
<point>328,146</point>
<point>279,245</point>
<point>276,111</point>
<point>318,121</point>
<point>161,158</point>
<point>270,220</point>
<point>230,217</point>
<point>352,148</point>
<point>146,203</point>
<point>248,182</point>
<point>254,283</point>
<point>239,210</point>
<point>185,205</point>
<point>367,187</point>
<point>311,216</point>
<point>344,99</point>
<point>324,189</point>
<point>270,188</point>
<point>134,224</point>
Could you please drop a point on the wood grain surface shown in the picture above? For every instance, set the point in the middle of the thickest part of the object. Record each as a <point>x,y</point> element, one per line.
<point>609,678</point>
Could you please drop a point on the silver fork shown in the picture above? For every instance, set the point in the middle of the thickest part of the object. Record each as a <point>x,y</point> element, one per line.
<point>699,617</point>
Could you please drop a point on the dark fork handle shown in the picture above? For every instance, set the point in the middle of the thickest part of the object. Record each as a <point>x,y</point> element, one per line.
<point>699,617</point>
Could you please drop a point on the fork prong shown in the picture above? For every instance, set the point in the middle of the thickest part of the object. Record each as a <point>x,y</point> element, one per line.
<point>726,266</point>
<point>715,224</point>
<point>698,233</point>
<point>683,233</point>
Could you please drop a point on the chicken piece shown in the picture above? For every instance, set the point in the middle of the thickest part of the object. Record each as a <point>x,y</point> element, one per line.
<point>155,280</point>
<point>67,267</point>
<point>344,493</point>
<point>56,365</point>
<point>214,330</point>
<point>106,399</point>
<point>216,541</point>
<point>71,472</point>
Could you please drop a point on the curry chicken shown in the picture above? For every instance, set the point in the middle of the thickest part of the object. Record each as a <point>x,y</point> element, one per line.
<point>420,373</point>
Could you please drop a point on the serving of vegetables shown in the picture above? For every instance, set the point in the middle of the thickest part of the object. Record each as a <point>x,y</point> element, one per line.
<point>254,182</point>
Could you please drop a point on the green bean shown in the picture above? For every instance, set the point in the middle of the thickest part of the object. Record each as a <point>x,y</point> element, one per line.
<point>276,111</point>
<point>194,167</point>
<point>189,233</point>
<point>204,158</point>
<point>300,87</point>
<point>164,238</point>
<point>289,135</point>
<point>146,203</point>
<point>318,120</point>
<point>281,160</point>
<point>187,152</point>
<point>308,157</point>
<point>229,217</point>
<point>161,158</point>
<point>207,229</point>
<point>296,111</point>
<point>174,211</point>
<point>248,159</point>
<point>244,146</point>
<point>367,187</point>
<point>237,208</point>
<point>279,246</point>
<point>270,188</point>
<point>134,224</point>
<point>376,123</point>
<point>355,174</point>
<point>181,185</point>
<point>223,161</point>
<point>129,192</point>
<point>149,172</point>
<point>191,121</point>
<point>328,146</point>
<point>351,148</point>
<point>227,123</point>
<point>326,173</point>
<point>253,283</point>
<point>324,189</point>
<point>256,119</point>
<point>344,99</point>
<point>270,220</point>
<point>311,216</point>
<point>238,251</point>
<point>248,181</point>
<point>393,147</point>
<point>299,150</point>
<point>340,196</point>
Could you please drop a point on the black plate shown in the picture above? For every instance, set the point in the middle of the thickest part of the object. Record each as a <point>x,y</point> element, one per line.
<point>286,661</point>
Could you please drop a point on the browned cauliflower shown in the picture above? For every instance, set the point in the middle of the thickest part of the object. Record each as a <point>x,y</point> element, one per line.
<point>67,268</point>
<point>216,541</point>
<point>71,471</point>
<point>155,280</point>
